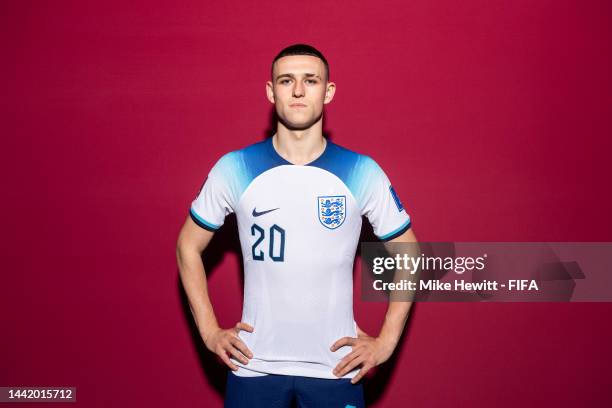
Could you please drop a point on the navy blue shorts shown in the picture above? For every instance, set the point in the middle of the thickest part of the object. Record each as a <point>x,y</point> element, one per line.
<point>286,391</point>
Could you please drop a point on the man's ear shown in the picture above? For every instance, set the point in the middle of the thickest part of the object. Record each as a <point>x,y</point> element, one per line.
<point>330,91</point>
<point>270,91</point>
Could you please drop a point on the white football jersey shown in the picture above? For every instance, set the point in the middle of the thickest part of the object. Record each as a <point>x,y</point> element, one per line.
<point>299,227</point>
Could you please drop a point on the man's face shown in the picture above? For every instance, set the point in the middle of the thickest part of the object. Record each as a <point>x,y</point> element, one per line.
<point>299,89</point>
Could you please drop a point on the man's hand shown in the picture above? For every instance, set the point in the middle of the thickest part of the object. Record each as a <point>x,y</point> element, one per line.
<point>367,352</point>
<point>225,343</point>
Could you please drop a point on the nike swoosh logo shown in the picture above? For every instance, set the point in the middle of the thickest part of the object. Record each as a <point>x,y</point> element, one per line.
<point>257,214</point>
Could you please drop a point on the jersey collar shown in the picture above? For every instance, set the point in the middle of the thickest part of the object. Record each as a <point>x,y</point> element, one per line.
<point>280,159</point>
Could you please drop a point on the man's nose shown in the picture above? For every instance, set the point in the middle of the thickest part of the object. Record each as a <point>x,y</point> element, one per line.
<point>298,89</point>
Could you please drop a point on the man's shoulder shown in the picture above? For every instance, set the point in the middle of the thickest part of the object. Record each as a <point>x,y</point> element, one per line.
<point>244,156</point>
<point>349,159</point>
<point>252,149</point>
<point>246,163</point>
<point>344,151</point>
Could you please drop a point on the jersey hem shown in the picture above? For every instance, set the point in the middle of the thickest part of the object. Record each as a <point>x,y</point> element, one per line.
<point>260,368</point>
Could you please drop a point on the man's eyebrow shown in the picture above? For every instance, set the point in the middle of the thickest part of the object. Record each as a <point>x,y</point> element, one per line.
<point>308,75</point>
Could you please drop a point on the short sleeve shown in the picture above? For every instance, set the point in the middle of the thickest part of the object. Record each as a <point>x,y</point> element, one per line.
<point>380,202</point>
<point>216,198</point>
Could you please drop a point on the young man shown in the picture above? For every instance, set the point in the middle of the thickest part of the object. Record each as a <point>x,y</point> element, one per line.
<point>298,200</point>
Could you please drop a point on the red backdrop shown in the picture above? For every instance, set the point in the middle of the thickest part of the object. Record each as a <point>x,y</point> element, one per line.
<point>492,119</point>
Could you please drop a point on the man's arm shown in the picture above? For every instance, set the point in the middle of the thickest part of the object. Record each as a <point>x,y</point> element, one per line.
<point>191,243</point>
<point>369,351</point>
<point>397,310</point>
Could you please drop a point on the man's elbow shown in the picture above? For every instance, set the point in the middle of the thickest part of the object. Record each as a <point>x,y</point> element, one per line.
<point>185,250</point>
<point>179,252</point>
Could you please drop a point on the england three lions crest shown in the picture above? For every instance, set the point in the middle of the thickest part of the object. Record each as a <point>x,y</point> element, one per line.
<point>332,211</point>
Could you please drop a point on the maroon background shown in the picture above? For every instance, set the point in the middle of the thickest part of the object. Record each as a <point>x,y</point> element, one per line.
<point>492,119</point>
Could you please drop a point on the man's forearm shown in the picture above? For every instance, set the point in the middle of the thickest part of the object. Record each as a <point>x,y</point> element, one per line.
<point>193,278</point>
<point>400,302</point>
<point>395,320</point>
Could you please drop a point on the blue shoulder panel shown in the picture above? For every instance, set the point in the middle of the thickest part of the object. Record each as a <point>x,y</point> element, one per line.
<point>354,169</point>
<point>245,164</point>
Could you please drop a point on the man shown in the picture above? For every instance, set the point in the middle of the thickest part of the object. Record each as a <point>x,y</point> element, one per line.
<point>298,200</point>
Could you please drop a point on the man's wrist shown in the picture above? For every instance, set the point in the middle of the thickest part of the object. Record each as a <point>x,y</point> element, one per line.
<point>388,342</point>
<point>208,332</point>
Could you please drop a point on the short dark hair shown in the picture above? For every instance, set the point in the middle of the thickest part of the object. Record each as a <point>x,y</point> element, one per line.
<point>301,49</point>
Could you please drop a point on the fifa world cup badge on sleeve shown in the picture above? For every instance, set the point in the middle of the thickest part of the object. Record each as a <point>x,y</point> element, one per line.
<point>398,203</point>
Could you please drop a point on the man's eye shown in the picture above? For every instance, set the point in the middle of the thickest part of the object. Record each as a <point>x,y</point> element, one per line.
<point>311,81</point>
<point>284,81</point>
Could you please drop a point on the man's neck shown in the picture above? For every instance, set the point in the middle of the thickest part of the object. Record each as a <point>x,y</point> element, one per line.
<point>299,146</point>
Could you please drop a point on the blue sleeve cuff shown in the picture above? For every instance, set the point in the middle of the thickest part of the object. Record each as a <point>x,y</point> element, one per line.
<point>396,233</point>
<point>202,222</point>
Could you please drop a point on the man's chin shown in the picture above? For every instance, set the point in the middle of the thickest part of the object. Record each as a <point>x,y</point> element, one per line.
<point>299,125</point>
